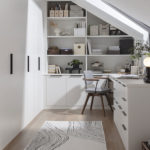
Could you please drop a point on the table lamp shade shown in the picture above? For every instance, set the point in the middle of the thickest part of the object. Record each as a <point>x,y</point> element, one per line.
<point>147,70</point>
<point>147,62</point>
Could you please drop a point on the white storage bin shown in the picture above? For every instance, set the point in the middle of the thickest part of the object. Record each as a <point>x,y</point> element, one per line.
<point>79,31</point>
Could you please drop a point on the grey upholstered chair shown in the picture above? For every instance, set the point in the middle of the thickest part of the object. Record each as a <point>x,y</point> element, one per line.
<point>98,89</point>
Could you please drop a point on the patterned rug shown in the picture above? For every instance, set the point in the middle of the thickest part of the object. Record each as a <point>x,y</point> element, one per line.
<point>69,135</point>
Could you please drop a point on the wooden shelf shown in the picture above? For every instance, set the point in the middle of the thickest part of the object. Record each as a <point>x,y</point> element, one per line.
<point>66,18</point>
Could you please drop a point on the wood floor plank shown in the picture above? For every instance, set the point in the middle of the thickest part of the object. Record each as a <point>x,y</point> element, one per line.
<point>112,136</point>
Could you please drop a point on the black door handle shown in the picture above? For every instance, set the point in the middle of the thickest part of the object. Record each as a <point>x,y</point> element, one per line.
<point>11,63</point>
<point>28,63</point>
<point>39,63</point>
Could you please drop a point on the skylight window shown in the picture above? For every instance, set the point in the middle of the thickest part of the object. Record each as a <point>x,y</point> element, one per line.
<point>117,15</point>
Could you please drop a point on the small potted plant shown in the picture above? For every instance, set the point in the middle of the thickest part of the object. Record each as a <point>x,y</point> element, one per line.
<point>75,63</point>
<point>139,51</point>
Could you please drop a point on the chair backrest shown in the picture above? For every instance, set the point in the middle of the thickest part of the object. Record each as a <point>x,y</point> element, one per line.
<point>103,83</point>
<point>88,75</point>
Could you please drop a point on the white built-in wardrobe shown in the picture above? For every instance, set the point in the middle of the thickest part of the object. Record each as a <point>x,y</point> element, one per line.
<point>21,34</point>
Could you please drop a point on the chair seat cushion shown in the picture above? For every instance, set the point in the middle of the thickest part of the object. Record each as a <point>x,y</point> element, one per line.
<point>98,90</point>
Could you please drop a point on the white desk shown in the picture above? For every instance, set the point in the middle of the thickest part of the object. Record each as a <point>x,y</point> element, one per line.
<point>132,110</point>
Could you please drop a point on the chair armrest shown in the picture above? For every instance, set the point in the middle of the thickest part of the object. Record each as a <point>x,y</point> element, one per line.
<point>101,77</point>
<point>92,79</point>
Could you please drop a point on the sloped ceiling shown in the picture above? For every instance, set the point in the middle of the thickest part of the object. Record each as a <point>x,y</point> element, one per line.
<point>138,9</point>
<point>112,16</point>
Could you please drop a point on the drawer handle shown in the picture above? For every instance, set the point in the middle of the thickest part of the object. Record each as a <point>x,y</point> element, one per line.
<point>124,127</point>
<point>28,63</point>
<point>124,113</point>
<point>120,107</point>
<point>124,99</point>
<point>39,64</point>
<point>116,102</point>
<point>123,85</point>
<point>113,108</point>
<point>11,63</point>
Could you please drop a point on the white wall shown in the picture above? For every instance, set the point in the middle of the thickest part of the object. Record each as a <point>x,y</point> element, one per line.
<point>135,8</point>
<point>21,96</point>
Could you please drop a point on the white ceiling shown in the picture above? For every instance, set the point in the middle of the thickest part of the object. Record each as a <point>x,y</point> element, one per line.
<point>139,9</point>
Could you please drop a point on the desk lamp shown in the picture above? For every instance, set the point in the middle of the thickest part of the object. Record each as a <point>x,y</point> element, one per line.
<point>147,70</point>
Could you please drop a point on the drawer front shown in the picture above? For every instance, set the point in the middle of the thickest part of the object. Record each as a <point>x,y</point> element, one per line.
<point>120,95</point>
<point>124,104</point>
<point>124,135</point>
<point>120,90</point>
<point>121,121</point>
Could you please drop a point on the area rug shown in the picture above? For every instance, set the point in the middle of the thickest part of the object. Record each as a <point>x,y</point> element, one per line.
<point>69,135</point>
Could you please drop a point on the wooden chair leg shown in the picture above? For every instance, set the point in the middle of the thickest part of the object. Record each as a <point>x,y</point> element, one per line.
<point>85,103</point>
<point>92,102</point>
<point>102,104</point>
<point>109,103</point>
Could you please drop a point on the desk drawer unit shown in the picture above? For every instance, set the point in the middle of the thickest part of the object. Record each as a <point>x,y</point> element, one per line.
<point>121,111</point>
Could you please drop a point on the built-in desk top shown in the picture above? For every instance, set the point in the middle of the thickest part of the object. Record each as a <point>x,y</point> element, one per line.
<point>135,82</point>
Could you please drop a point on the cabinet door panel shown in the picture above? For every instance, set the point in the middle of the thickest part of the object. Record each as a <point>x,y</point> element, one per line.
<point>56,91</point>
<point>75,91</point>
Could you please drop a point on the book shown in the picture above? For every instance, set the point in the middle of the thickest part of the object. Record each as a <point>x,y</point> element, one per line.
<point>89,47</point>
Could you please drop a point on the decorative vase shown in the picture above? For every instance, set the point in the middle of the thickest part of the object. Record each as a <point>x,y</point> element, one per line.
<point>57,31</point>
<point>135,70</point>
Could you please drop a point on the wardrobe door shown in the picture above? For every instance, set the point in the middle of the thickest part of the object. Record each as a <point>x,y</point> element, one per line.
<point>13,16</point>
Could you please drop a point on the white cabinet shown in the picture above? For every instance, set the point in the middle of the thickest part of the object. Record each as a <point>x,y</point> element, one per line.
<point>75,91</point>
<point>121,111</point>
<point>56,91</point>
<point>131,103</point>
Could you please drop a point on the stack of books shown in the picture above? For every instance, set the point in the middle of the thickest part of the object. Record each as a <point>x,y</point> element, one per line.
<point>54,69</point>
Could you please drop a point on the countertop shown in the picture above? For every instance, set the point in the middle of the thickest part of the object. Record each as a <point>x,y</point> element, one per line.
<point>134,82</point>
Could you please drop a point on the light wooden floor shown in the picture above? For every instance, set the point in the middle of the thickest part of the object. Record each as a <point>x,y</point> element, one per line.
<point>113,139</point>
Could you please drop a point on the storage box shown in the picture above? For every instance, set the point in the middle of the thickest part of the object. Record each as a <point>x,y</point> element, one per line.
<point>74,13</point>
<point>61,13</point>
<point>53,50</point>
<point>79,49</point>
<point>94,30</point>
<point>98,51</point>
<point>104,29</point>
<point>75,8</point>
<point>79,31</point>
<point>56,13</point>
<point>52,13</point>
<point>66,13</point>
<point>66,51</point>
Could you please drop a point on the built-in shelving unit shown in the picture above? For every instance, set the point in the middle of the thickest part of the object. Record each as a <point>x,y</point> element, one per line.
<point>67,24</point>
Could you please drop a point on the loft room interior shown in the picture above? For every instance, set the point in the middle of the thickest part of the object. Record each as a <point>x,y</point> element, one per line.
<point>75,74</point>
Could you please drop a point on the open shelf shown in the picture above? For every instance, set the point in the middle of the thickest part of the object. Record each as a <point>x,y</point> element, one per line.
<point>66,18</point>
<point>63,74</point>
<point>99,40</point>
<point>115,55</point>
<point>66,55</point>
<point>108,36</point>
<point>66,36</point>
